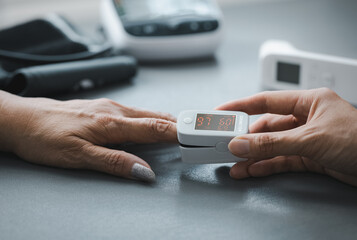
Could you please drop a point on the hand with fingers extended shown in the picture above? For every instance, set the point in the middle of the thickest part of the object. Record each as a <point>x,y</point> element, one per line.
<point>311,130</point>
<point>72,134</point>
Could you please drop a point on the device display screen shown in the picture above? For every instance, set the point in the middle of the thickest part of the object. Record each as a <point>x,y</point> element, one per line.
<point>144,10</point>
<point>215,122</point>
<point>287,72</point>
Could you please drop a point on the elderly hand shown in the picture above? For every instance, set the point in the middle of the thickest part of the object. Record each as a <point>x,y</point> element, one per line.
<point>312,130</point>
<point>72,134</point>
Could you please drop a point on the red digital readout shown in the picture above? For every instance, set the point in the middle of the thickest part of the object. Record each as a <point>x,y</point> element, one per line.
<point>215,122</point>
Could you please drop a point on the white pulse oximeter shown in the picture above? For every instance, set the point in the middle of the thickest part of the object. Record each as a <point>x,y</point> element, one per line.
<point>204,135</point>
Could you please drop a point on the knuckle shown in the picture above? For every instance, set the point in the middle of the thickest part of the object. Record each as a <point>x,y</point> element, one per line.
<point>168,116</point>
<point>265,143</point>
<point>326,92</point>
<point>103,119</point>
<point>105,123</point>
<point>100,105</point>
<point>105,101</point>
<point>115,163</point>
<point>159,126</point>
<point>267,117</point>
<point>133,109</point>
<point>264,99</point>
<point>128,110</point>
<point>311,141</point>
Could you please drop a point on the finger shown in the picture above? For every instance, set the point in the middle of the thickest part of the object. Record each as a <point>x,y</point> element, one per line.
<point>279,102</point>
<point>275,165</point>
<point>118,163</point>
<point>283,164</point>
<point>240,169</point>
<point>148,130</point>
<point>141,113</point>
<point>106,106</point>
<point>140,130</point>
<point>269,167</point>
<point>268,145</point>
<point>274,123</point>
<point>352,180</point>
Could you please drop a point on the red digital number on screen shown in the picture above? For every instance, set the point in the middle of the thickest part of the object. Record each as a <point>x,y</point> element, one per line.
<point>215,122</point>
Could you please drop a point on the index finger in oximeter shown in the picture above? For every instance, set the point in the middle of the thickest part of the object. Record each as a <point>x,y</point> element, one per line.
<point>204,135</point>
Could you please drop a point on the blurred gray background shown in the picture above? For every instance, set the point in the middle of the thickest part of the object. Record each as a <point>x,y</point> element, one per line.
<point>80,11</point>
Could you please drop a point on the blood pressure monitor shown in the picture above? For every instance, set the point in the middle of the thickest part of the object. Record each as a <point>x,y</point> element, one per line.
<point>163,29</point>
<point>284,67</point>
<point>204,135</point>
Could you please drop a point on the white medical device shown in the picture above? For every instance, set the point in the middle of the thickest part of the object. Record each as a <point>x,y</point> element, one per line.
<point>284,67</point>
<point>163,29</point>
<point>204,135</point>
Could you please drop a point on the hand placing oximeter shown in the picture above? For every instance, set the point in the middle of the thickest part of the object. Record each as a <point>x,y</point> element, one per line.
<point>204,135</point>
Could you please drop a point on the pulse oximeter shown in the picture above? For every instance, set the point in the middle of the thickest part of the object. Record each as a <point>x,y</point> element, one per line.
<point>204,135</point>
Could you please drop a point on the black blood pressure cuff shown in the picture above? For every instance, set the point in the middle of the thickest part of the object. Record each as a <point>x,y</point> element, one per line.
<point>48,56</point>
<point>48,79</point>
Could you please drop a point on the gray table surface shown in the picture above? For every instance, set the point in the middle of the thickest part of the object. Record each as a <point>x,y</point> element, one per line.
<point>194,201</point>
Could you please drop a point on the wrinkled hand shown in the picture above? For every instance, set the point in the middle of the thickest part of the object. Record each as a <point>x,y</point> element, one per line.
<point>72,134</point>
<point>312,130</point>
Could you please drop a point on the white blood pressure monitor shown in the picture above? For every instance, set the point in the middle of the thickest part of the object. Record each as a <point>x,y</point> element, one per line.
<point>163,29</point>
<point>204,135</point>
<point>284,67</point>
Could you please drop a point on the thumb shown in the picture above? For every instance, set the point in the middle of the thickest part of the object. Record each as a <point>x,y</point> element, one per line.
<point>266,145</point>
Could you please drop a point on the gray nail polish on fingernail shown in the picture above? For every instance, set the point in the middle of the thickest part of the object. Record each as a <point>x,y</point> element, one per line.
<point>143,173</point>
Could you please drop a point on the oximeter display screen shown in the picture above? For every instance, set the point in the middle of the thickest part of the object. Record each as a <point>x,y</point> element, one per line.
<point>215,122</point>
<point>287,72</point>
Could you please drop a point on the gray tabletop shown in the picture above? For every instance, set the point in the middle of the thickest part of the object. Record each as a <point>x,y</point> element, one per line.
<point>194,201</point>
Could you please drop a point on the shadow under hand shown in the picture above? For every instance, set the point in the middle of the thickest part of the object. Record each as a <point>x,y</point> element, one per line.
<point>190,180</point>
<point>17,168</point>
<point>284,189</point>
<point>214,179</point>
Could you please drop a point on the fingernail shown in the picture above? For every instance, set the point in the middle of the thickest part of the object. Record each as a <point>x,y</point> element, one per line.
<point>143,173</point>
<point>232,173</point>
<point>239,147</point>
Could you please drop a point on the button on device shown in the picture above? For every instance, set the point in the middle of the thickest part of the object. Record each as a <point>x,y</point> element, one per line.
<point>194,26</point>
<point>207,26</point>
<point>187,120</point>
<point>149,29</point>
<point>222,147</point>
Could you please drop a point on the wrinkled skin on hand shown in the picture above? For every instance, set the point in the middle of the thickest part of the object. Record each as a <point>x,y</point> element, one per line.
<point>310,130</point>
<point>72,134</point>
